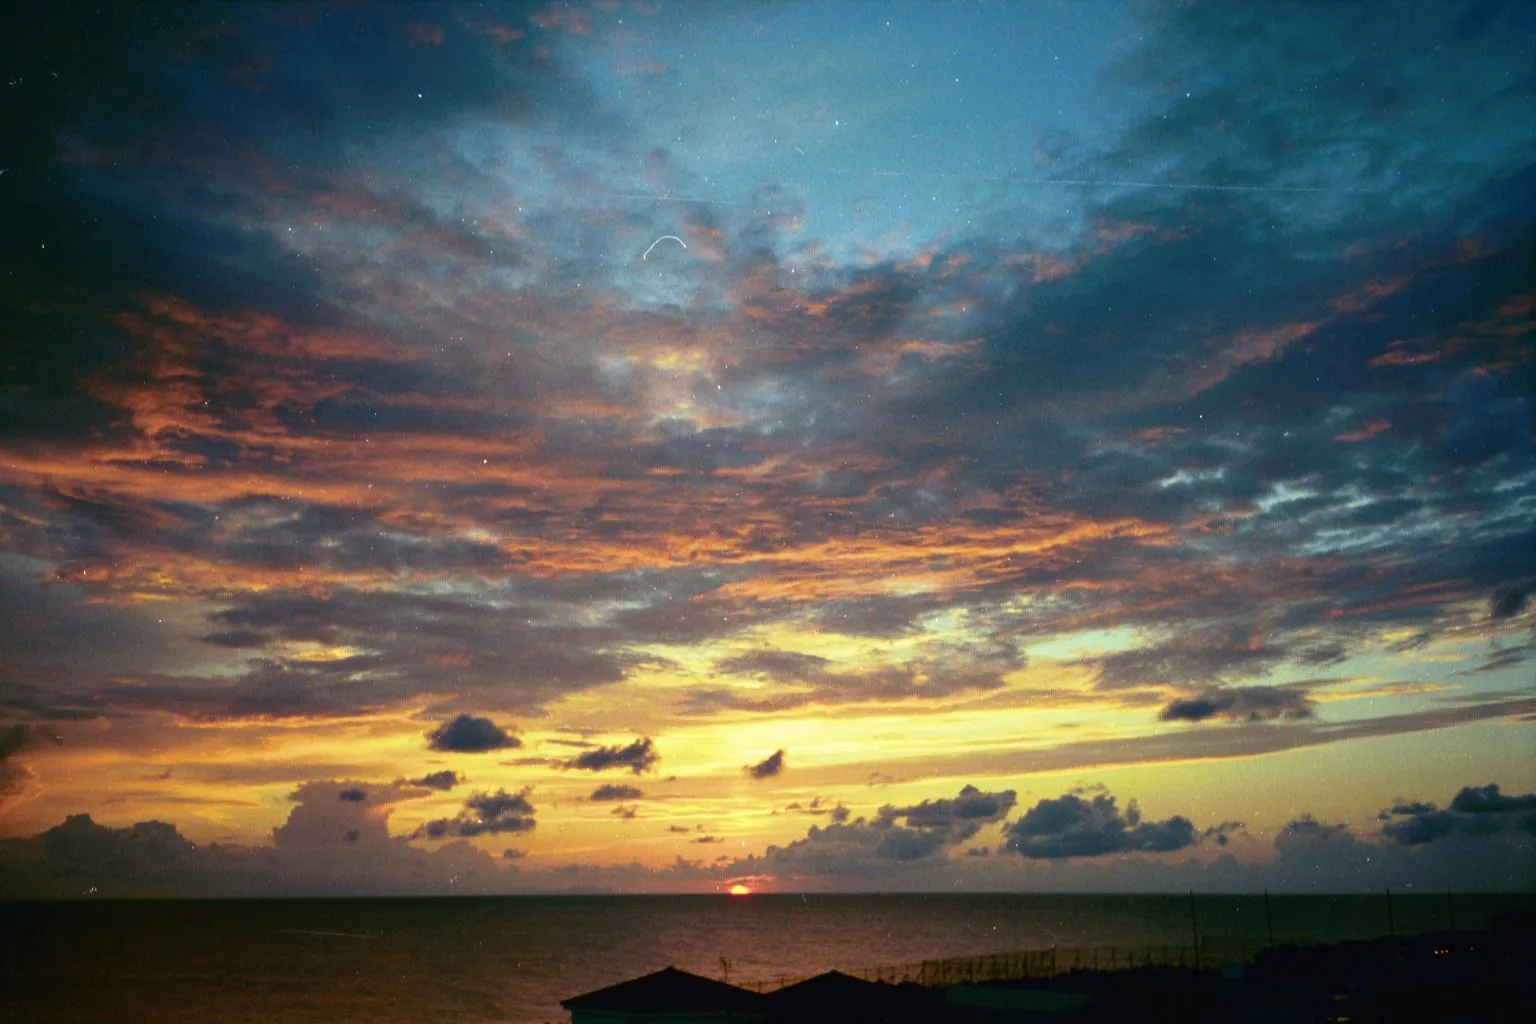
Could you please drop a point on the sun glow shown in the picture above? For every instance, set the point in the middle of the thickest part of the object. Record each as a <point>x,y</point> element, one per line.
<point>740,890</point>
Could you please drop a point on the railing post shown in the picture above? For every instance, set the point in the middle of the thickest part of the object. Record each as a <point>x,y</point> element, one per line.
<point>1268,920</point>
<point>1194,925</point>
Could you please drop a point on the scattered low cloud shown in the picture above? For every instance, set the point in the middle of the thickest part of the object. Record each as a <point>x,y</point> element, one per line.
<point>970,806</point>
<point>440,780</point>
<point>639,757</point>
<point>819,806</point>
<point>1069,826</point>
<point>1509,599</point>
<point>613,792</point>
<point>1081,841</point>
<point>768,767</point>
<point>1248,704</point>
<point>468,734</point>
<point>484,813</point>
<point>1475,810</point>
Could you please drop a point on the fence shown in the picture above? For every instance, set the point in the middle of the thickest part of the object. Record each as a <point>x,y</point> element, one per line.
<point>1038,963</point>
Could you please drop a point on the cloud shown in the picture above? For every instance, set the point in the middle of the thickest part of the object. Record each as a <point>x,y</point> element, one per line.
<point>1475,811</point>
<point>803,679</point>
<point>439,780</point>
<point>485,814</point>
<point>1069,826</point>
<point>922,833</point>
<point>16,738</point>
<point>354,795</point>
<point>467,734</point>
<point>1249,703</point>
<point>1307,830</point>
<point>1488,800</point>
<point>1183,662</point>
<point>326,846</point>
<point>20,736</point>
<point>1509,599</point>
<point>768,767</point>
<point>612,792</point>
<point>336,846</point>
<point>972,805</point>
<point>818,806</point>
<point>274,391</point>
<point>638,757</point>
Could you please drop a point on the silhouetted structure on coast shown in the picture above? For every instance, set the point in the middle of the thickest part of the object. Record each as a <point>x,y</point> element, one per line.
<point>1442,976</point>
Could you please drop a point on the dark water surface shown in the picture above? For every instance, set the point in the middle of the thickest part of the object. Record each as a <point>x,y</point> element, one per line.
<point>511,960</point>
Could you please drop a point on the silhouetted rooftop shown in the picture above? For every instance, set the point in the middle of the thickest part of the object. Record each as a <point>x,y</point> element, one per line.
<point>670,990</point>
<point>835,996</point>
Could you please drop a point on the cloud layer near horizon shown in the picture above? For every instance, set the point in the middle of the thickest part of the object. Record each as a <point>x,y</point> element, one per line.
<point>336,840</point>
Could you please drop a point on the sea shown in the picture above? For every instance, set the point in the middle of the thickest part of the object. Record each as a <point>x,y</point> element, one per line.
<point>511,960</point>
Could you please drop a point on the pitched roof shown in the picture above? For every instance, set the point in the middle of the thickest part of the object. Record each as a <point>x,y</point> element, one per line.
<point>835,996</point>
<point>831,985</point>
<point>669,990</point>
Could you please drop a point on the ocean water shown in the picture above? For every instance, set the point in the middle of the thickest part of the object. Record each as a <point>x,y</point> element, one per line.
<point>511,960</point>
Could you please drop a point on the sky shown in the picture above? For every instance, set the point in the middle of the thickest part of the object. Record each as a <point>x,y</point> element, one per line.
<point>804,446</point>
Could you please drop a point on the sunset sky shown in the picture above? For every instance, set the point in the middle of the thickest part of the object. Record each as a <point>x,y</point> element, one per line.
<point>663,446</point>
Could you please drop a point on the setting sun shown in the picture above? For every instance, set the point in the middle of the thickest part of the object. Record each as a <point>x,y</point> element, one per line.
<point>740,890</point>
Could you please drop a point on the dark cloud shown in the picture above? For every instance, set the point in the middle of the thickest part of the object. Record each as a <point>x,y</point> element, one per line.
<point>1307,830</point>
<point>16,738</point>
<point>80,846</point>
<point>19,736</point>
<point>1250,703</point>
<point>467,734</point>
<point>1221,834</point>
<point>441,780</point>
<point>972,805</point>
<point>1488,800</point>
<point>612,792</point>
<point>354,795</point>
<point>626,812</point>
<point>1424,826</point>
<point>1474,811</point>
<point>818,806</point>
<point>768,767</point>
<point>923,833</point>
<point>1509,599</point>
<point>639,756</point>
<point>327,846</point>
<point>484,814</point>
<point>1069,826</point>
